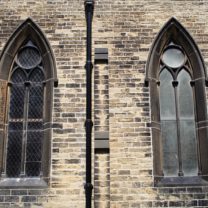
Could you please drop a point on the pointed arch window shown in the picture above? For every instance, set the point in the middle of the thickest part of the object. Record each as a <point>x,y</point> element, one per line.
<point>25,117</point>
<point>176,75</point>
<point>177,114</point>
<point>27,73</point>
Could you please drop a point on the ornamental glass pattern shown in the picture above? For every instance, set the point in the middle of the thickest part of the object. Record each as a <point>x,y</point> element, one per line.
<point>25,116</point>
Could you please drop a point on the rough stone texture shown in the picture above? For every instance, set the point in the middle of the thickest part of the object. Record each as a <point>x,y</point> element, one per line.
<point>127,28</point>
<point>101,124</point>
<point>63,23</point>
<point>101,98</point>
<point>102,180</point>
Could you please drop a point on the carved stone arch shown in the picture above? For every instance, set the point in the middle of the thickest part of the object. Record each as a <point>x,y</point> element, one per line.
<point>28,31</point>
<point>173,31</point>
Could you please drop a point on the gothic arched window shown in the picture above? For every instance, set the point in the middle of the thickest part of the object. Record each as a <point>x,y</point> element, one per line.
<point>25,116</point>
<point>176,75</point>
<point>27,73</point>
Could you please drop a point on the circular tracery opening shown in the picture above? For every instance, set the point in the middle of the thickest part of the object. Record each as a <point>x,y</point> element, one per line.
<point>28,57</point>
<point>173,57</point>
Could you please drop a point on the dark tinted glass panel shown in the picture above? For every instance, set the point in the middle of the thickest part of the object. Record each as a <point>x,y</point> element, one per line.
<point>15,126</point>
<point>17,101</point>
<point>34,136</point>
<point>26,105</point>
<point>18,76</point>
<point>33,169</point>
<point>36,75</point>
<point>34,148</point>
<point>167,96</point>
<point>35,125</point>
<point>36,102</point>
<point>14,151</point>
<point>170,148</point>
<point>33,151</point>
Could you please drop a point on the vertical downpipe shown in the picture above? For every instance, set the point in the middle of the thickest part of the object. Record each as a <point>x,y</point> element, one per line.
<point>89,7</point>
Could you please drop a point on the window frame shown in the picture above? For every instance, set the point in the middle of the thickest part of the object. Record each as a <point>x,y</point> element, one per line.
<point>173,30</point>
<point>27,30</point>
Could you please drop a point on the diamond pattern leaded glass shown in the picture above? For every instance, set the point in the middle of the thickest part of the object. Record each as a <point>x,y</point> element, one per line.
<point>33,152</point>
<point>25,132</point>
<point>37,75</point>
<point>18,76</point>
<point>17,101</point>
<point>35,101</point>
<point>14,151</point>
<point>28,57</point>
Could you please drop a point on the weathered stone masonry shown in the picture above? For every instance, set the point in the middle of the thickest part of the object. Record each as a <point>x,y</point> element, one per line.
<point>123,175</point>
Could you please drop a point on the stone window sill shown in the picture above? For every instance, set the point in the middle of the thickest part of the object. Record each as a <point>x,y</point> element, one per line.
<point>15,183</point>
<point>160,181</point>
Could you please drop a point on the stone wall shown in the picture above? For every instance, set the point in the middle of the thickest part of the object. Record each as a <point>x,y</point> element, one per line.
<point>133,25</point>
<point>63,23</point>
<point>123,176</point>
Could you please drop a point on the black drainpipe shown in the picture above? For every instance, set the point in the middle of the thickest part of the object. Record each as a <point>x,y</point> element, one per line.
<point>89,7</point>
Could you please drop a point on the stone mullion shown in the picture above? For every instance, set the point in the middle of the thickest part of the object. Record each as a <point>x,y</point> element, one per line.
<point>24,138</point>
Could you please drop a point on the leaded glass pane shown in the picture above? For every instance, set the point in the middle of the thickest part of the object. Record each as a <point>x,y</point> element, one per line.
<point>170,148</point>
<point>167,96</point>
<point>37,75</point>
<point>36,102</point>
<point>189,147</point>
<point>18,76</point>
<point>14,149</point>
<point>33,153</point>
<point>35,125</point>
<point>29,57</point>
<point>34,146</point>
<point>26,105</point>
<point>35,136</point>
<point>15,126</point>
<point>17,101</point>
